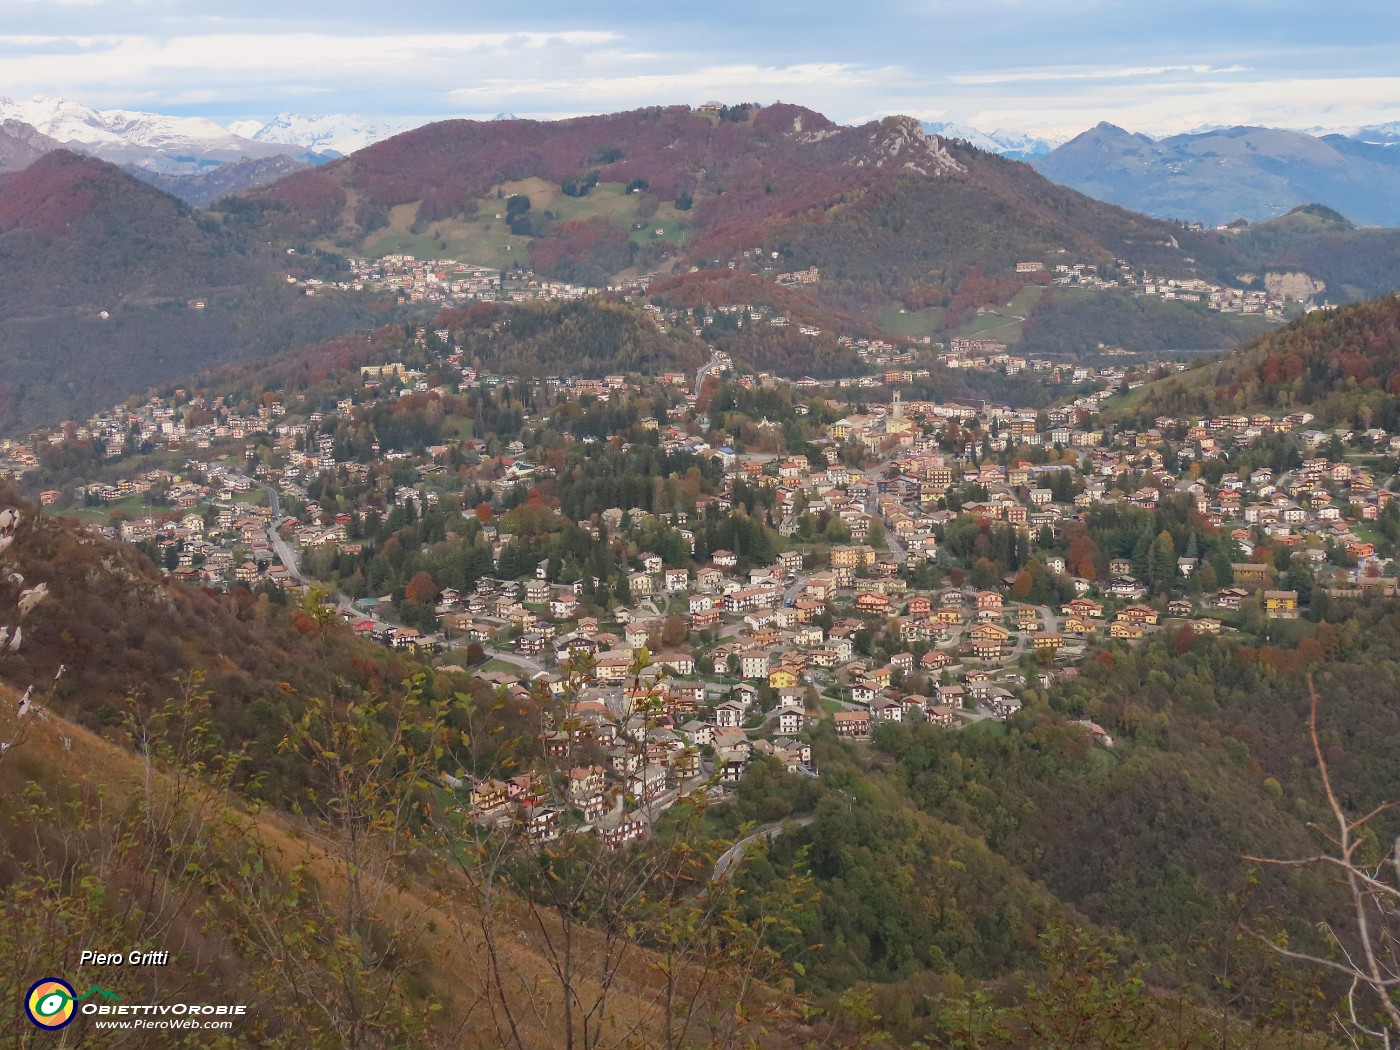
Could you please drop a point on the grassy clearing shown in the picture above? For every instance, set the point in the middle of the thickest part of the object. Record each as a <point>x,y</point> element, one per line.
<point>500,665</point>
<point>1005,323</point>
<point>130,506</point>
<point>988,725</point>
<point>911,324</point>
<point>483,239</point>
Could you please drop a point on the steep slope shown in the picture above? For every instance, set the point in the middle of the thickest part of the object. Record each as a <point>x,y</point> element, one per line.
<point>736,169</point>
<point>1222,174</point>
<point>21,145</point>
<point>127,822</point>
<point>102,274</point>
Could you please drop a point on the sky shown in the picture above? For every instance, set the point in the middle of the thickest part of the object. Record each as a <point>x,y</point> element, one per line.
<point>1048,66</point>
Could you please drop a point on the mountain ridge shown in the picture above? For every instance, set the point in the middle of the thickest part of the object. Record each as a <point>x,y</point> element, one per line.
<point>1222,174</point>
<point>113,285</point>
<point>338,133</point>
<point>168,145</point>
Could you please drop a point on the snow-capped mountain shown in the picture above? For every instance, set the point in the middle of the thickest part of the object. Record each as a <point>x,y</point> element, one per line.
<point>1387,134</point>
<point>151,141</point>
<point>342,133</point>
<point>1019,145</point>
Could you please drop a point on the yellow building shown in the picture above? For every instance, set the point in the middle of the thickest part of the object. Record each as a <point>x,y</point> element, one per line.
<point>1281,604</point>
<point>782,678</point>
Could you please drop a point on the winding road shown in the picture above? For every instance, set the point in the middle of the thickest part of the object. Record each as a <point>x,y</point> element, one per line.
<point>732,855</point>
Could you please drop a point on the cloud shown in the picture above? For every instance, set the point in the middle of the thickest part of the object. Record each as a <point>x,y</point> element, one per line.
<point>1080,73</point>
<point>1295,102</point>
<point>738,80</point>
<point>1014,63</point>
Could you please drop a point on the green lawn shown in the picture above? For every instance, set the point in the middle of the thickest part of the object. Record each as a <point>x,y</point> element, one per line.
<point>911,324</point>
<point>484,240</point>
<point>500,665</point>
<point>1004,323</point>
<point>988,725</point>
<point>131,506</point>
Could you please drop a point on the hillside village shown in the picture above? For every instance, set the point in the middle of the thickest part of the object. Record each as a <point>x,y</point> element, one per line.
<point>919,560</point>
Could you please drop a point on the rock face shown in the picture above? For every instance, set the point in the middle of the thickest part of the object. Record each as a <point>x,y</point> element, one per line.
<point>902,141</point>
<point>22,144</point>
<point>1298,286</point>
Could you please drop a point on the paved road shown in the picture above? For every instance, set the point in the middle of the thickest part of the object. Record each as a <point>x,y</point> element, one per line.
<point>284,552</point>
<point>731,856</point>
<point>526,663</point>
<point>790,595</point>
<point>704,370</point>
<point>872,507</point>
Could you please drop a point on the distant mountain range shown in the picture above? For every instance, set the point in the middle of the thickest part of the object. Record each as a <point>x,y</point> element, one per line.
<point>1219,174</point>
<point>1018,145</point>
<point>194,159</point>
<point>1216,173</point>
<point>144,141</point>
<point>879,229</point>
<point>339,133</point>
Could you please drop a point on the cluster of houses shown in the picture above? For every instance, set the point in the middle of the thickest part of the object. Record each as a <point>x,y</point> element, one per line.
<point>766,650</point>
<point>1222,298</point>
<point>449,282</point>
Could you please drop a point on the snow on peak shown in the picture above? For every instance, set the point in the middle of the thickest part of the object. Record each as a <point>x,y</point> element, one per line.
<point>1018,144</point>
<point>72,122</point>
<point>342,133</point>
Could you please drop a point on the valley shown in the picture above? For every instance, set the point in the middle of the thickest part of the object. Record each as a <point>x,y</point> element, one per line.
<point>695,577</point>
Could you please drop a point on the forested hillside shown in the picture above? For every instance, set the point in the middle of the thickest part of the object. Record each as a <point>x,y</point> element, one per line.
<point>577,338</point>
<point>1342,365</point>
<point>939,858</point>
<point>887,214</point>
<point>112,286</point>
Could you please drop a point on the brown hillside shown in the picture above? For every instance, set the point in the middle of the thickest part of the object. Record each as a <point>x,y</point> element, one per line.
<point>63,764</point>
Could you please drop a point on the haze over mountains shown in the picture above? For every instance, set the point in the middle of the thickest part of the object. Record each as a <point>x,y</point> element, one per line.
<point>146,141</point>
<point>1213,174</point>
<point>908,235</point>
<point>192,158</point>
<point>1223,174</point>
